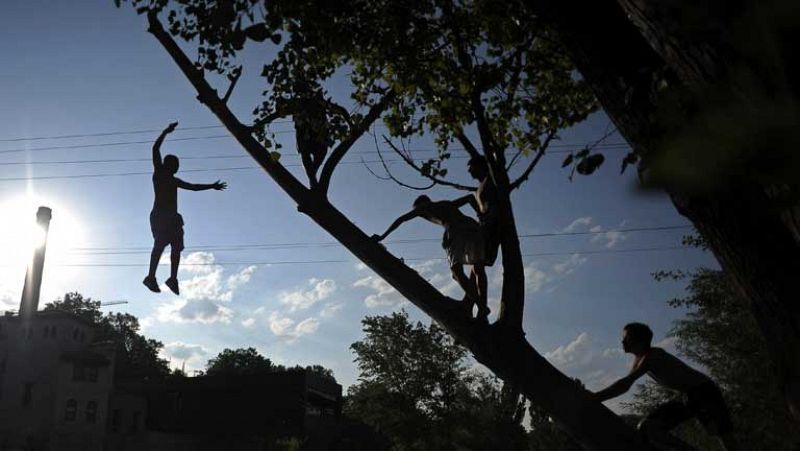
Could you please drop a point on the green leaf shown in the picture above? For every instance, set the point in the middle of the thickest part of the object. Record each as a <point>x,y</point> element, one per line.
<point>568,161</point>
<point>275,156</point>
<point>590,164</point>
<point>276,38</point>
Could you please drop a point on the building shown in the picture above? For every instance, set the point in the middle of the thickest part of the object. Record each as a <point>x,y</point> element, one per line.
<point>55,382</point>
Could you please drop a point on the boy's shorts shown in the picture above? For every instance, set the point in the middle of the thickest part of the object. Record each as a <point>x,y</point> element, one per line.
<point>167,228</point>
<point>703,402</point>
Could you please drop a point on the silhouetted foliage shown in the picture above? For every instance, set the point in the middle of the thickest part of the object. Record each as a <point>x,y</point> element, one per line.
<point>248,361</point>
<point>238,362</point>
<point>416,386</point>
<point>720,334</point>
<point>136,356</point>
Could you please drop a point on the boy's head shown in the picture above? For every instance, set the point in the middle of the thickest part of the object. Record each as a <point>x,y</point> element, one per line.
<point>477,167</point>
<point>421,200</point>
<point>636,338</point>
<point>171,163</point>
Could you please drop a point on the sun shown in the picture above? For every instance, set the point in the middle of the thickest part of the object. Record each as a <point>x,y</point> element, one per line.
<point>19,233</point>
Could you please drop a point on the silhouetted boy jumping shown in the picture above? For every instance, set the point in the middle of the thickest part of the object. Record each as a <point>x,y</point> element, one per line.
<point>165,221</point>
<point>462,240</point>
<point>703,399</point>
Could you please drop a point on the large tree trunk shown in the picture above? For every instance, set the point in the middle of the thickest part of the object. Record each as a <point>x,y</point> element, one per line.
<point>507,354</point>
<point>627,51</point>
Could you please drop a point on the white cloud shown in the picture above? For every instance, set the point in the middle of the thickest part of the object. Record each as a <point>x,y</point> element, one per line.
<point>577,224</point>
<point>569,265</point>
<point>594,366</point>
<point>385,295</point>
<point>300,299</point>
<point>609,238</point>
<point>205,293</point>
<point>287,328</point>
<point>306,327</point>
<point>535,278</point>
<point>330,310</point>
<point>249,322</point>
<point>191,355</point>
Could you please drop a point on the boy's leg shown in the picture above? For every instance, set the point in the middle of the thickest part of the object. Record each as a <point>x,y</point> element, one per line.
<point>155,255</point>
<point>457,271</point>
<point>174,262</point>
<point>478,278</point>
<point>658,424</point>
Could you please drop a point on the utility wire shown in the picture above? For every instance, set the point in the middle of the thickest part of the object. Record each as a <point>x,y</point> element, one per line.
<point>301,262</point>
<point>294,245</point>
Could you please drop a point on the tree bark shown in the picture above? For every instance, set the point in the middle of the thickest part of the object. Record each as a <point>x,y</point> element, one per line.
<point>507,355</point>
<point>623,49</point>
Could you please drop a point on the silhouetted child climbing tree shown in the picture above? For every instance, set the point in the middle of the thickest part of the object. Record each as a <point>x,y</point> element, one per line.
<point>165,221</point>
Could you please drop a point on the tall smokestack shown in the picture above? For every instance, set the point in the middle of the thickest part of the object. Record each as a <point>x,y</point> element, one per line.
<point>33,277</point>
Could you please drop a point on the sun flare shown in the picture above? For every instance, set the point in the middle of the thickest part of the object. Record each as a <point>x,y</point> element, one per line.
<point>20,235</point>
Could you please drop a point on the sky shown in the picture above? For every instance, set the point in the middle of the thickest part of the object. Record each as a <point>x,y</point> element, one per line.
<point>256,272</point>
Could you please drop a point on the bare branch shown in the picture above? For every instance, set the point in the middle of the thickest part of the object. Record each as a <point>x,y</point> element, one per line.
<point>389,175</point>
<point>237,73</point>
<point>436,180</point>
<point>468,146</point>
<point>356,132</point>
<point>522,178</point>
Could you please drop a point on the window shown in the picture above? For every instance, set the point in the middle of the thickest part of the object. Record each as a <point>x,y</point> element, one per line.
<point>53,332</point>
<point>91,412</point>
<point>135,422</point>
<point>116,419</point>
<point>27,394</point>
<point>78,372</point>
<point>46,332</point>
<point>91,374</point>
<point>75,334</point>
<point>71,410</point>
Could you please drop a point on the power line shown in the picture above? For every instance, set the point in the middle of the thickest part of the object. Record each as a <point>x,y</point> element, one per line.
<point>302,262</point>
<point>294,245</point>
<point>213,157</point>
<point>194,138</point>
<point>117,133</point>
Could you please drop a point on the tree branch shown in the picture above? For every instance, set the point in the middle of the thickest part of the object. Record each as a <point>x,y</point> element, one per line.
<point>468,146</point>
<point>237,73</point>
<point>409,161</point>
<point>355,133</point>
<point>522,178</point>
<point>389,175</point>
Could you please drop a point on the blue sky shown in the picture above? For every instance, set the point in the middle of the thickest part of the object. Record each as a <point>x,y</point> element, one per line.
<point>75,68</point>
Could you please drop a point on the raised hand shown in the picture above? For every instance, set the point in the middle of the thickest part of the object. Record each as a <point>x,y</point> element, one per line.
<point>171,127</point>
<point>218,185</point>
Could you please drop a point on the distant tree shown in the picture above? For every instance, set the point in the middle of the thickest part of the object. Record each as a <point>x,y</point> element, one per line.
<point>416,387</point>
<point>242,361</point>
<point>137,356</point>
<point>720,334</point>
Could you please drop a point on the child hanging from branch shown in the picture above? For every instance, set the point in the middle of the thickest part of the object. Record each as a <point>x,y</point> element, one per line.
<point>165,221</point>
<point>463,242</point>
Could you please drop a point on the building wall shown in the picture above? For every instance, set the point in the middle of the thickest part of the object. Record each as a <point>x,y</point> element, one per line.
<point>36,382</point>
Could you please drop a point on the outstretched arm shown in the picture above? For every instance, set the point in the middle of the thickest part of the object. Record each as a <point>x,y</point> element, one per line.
<point>623,385</point>
<point>406,217</point>
<point>157,145</point>
<point>468,199</point>
<point>201,186</point>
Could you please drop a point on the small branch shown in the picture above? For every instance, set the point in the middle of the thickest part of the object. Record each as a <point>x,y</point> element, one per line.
<point>237,73</point>
<point>468,146</point>
<point>436,180</point>
<point>268,119</point>
<point>341,111</point>
<point>389,175</point>
<point>522,178</point>
<point>355,133</point>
